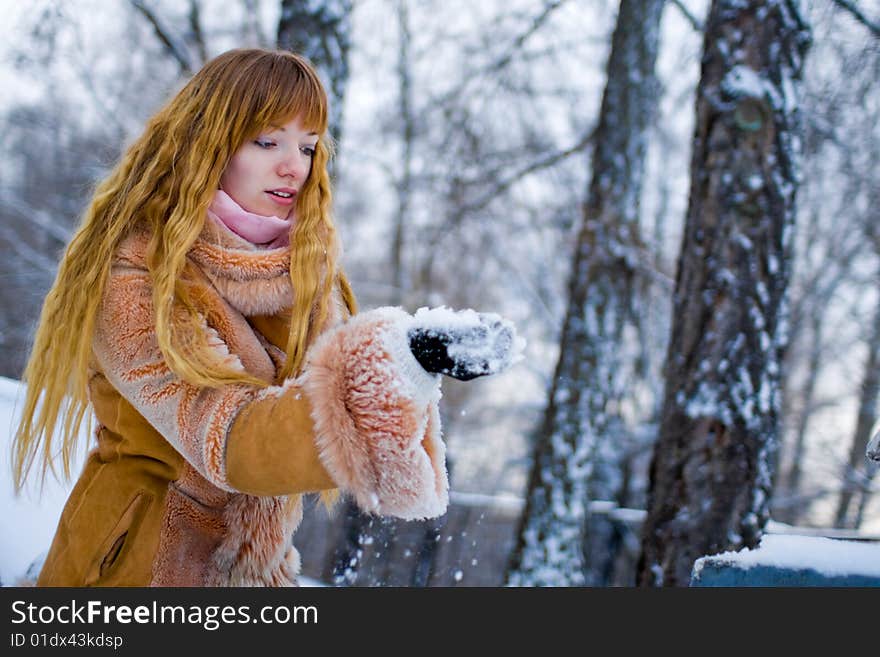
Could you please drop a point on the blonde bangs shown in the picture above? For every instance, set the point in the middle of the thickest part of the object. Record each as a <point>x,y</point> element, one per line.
<point>287,88</point>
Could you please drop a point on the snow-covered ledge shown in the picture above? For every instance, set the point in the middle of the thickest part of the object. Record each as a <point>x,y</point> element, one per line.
<point>785,560</point>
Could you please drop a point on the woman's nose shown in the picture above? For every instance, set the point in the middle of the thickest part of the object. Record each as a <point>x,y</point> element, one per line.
<point>295,164</point>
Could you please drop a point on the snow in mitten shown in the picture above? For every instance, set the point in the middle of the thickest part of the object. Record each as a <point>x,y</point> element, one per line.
<point>463,344</point>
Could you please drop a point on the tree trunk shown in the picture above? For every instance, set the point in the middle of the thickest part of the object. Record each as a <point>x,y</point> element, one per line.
<point>572,459</point>
<point>321,32</point>
<point>710,475</point>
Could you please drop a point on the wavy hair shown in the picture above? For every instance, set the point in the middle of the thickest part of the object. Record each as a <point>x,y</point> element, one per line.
<point>166,180</point>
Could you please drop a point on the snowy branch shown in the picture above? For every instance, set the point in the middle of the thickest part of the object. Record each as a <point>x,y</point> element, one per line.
<point>252,23</point>
<point>539,164</point>
<point>26,253</point>
<point>519,41</point>
<point>855,12</point>
<point>195,26</point>
<point>501,62</point>
<point>176,50</point>
<point>693,20</point>
<point>40,218</point>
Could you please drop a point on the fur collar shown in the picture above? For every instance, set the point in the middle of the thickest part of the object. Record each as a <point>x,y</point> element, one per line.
<point>252,279</point>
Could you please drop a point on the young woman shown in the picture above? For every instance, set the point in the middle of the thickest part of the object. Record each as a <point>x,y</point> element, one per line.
<point>201,314</point>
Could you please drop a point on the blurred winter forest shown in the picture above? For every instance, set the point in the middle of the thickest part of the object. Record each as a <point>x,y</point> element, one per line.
<point>537,158</point>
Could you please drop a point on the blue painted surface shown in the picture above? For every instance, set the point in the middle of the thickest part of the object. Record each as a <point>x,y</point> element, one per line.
<point>722,573</point>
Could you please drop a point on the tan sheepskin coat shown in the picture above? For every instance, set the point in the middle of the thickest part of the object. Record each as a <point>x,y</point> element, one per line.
<point>193,486</point>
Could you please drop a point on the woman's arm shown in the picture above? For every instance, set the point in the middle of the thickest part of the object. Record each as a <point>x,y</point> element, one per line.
<point>362,417</point>
<point>373,419</point>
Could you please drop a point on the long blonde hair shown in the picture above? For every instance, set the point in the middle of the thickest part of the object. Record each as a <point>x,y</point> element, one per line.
<point>166,180</point>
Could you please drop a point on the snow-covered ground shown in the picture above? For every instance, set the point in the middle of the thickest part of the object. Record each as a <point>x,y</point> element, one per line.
<point>28,519</point>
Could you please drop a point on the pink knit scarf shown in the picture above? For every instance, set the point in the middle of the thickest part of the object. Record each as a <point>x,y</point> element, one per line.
<point>270,232</point>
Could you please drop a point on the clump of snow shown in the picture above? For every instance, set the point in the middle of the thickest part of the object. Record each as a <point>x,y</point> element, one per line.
<point>487,342</point>
<point>824,555</point>
<point>743,81</point>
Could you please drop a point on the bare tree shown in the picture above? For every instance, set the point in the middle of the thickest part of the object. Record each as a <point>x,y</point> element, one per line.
<point>833,259</point>
<point>572,462</point>
<point>322,32</point>
<point>857,474</point>
<point>52,163</point>
<point>711,470</point>
<point>827,264</point>
<point>404,186</point>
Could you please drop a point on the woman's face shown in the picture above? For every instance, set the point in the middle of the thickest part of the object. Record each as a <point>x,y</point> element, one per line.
<point>266,173</point>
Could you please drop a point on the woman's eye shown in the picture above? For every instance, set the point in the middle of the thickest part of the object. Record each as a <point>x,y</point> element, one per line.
<point>308,150</point>
<point>264,143</point>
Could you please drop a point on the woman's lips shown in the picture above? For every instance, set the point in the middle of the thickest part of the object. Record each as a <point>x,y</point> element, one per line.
<point>281,200</point>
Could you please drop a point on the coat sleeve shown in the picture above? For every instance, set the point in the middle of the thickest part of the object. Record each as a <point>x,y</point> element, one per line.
<point>362,417</point>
